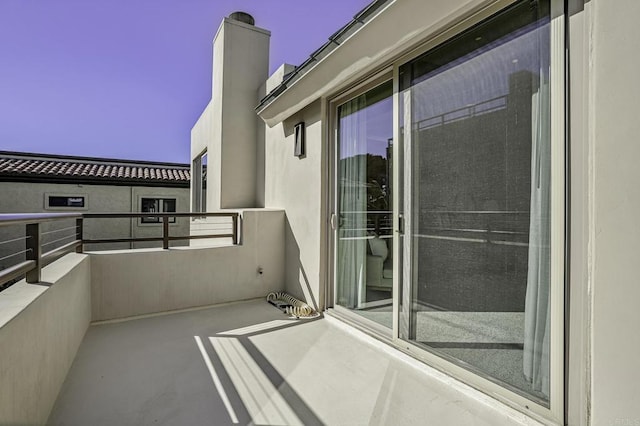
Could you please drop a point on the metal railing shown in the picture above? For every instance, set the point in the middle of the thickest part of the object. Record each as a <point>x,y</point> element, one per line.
<point>366,222</point>
<point>508,227</point>
<point>36,258</point>
<point>469,111</point>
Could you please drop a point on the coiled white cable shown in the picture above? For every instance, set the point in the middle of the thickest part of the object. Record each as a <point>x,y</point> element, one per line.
<point>297,307</point>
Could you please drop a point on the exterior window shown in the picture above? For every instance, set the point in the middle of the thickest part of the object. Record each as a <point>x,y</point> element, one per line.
<point>199,183</point>
<point>54,201</point>
<point>476,127</point>
<point>157,205</point>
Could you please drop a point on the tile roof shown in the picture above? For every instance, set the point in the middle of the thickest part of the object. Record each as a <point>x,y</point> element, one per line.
<point>96,170</point>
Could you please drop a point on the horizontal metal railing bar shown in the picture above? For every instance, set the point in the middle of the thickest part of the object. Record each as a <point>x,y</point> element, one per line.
<point>27,218</point>
<point>14,240</point>
<point>470,108</point>
<point>200,237</point>
<point>440,211</point>
<point>58,240</point>
<point>367,212</point>
<point>55,231</point>
<point>155,239</point>
<point>370,229</point>
<point>57,253</point>
<point>477,211</point>
<point>485,231</point>
<point>16,271</point>
<point>472,240</point>
<point>220,227</point>
<point>136,215</point>
<point>15,254</point>
<point>122,240</point>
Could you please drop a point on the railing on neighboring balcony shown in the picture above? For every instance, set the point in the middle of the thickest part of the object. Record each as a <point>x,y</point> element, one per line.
<point>366,223</point>
<point>35,256</point>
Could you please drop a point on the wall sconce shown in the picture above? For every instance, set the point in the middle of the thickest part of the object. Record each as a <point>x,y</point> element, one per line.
<point>299,140</point>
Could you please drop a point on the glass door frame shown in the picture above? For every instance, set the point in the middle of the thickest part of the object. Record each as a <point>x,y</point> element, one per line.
<point>559,218</point>
<point>384,76</point>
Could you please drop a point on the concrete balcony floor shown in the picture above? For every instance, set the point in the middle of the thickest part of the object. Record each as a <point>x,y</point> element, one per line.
<point>247,363</point>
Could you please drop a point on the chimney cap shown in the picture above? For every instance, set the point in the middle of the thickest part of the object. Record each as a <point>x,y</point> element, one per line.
<point>242,17</point>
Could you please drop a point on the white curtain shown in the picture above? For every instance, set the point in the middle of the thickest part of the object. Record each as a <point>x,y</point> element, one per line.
<point>352,193</point>
<point>536,361</point>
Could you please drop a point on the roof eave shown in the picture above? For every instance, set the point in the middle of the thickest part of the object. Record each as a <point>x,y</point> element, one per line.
<point>372,47</point>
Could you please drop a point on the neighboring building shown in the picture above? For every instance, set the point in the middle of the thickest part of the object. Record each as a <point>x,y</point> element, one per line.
<point>459,179</point>
<point>36,183</point>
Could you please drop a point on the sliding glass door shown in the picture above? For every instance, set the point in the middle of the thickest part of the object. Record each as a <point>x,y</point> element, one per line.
<point>453,237</point>
<point>364,261</point>
<point>476,128</point>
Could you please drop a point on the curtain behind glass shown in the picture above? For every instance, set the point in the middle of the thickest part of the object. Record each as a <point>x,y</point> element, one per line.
<point>352,199</point>
<point>537,312</point>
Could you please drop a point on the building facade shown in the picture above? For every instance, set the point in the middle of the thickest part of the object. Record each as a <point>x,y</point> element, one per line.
<point>459,180</point>
<point>35,183</point>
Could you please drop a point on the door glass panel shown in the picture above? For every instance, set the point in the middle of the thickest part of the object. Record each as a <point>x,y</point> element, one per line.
<point>476,127</point>
<point>364,262</point>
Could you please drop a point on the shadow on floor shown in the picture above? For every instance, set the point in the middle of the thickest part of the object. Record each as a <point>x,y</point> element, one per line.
<point>152,371</point>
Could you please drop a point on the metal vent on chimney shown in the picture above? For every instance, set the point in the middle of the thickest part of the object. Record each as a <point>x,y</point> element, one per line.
<point>242,17</point>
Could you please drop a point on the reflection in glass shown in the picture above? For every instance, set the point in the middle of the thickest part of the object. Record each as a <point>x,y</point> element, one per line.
<point>199,179</point>
<point>364,264</point>
<point>476,114</point>
<point>203,182</point>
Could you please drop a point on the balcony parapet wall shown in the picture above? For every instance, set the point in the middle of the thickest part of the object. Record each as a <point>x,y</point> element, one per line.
<point>129,283</point>
<point>41,328</point>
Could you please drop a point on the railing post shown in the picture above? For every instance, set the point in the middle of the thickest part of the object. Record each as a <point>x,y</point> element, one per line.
<point>79,235</point>
<point>235,228</point>
<point>34,251</point>
<point>165,232</point>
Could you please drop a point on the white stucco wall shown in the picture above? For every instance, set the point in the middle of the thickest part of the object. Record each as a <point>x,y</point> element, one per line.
<point>205,138</point>
<point>615,203</point>
<point>296,185</point>
<point>129,283</point>
<point>41,328</point>
<point>228,128</point>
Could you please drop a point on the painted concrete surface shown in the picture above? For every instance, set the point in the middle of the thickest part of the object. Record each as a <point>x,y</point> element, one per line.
<point>41,327</point>
<point>247,363</point>
<point>127,283</point>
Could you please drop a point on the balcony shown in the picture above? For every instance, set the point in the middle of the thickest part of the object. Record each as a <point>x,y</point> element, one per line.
<point>183,336</point>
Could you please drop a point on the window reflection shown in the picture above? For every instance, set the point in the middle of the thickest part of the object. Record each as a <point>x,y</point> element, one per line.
<point>364,246</point>
<point>478,112</point>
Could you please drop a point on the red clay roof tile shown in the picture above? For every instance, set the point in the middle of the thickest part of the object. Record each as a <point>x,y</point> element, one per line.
<point>98,169</point>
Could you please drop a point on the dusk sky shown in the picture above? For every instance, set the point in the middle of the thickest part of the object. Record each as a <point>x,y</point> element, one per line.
<point>129,78</point>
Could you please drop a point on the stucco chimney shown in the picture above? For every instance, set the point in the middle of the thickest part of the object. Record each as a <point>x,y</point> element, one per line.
<point>240,68</point>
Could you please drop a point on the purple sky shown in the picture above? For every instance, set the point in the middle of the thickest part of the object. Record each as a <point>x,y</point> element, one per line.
<point>129,78</point>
